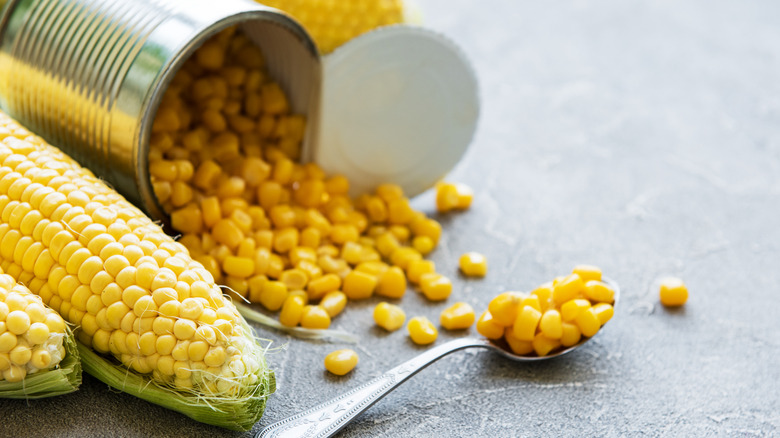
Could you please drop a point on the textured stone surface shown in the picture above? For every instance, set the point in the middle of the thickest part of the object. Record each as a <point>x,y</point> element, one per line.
<point>643,137</point>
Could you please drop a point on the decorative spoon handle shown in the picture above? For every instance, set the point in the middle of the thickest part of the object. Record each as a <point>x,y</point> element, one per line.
<point>330,417</point>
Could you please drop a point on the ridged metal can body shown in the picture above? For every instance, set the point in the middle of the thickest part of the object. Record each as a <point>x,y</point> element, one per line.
<point>89,75</point>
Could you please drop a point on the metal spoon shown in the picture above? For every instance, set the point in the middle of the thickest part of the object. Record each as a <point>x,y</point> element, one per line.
<point>327,419</point>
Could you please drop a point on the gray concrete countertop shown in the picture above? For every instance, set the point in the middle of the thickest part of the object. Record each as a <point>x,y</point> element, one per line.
<point>642,137</point>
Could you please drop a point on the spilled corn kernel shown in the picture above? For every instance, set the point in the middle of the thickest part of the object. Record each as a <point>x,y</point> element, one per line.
<point>341,362</point>
<point>389,316</point>
<point>453,196</point>
<point>673,292</point>
<point>473,264</point>
<point>459,316</point>
<point>421,330</point>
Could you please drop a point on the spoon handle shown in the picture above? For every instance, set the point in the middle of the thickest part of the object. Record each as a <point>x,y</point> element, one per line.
<point>328,418</point>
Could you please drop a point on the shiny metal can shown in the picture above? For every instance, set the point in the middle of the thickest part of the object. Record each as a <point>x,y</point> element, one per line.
<point>89,75</point>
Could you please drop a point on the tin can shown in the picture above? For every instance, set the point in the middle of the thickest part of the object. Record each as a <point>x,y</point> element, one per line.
<point>89,75</point>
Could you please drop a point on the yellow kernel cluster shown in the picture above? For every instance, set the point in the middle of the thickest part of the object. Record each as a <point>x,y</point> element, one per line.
<point>673,292</point>
<point>453,196</point>
<point>222,162</point>
<point>132,291</point>
<point>553,316</point>
<point>340,362</point>
<point>332,23</point>
<point>31,334</point>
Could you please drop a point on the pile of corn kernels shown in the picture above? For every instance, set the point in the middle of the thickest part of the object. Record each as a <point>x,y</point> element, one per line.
<point>553,316</point>
<point>283,234</point>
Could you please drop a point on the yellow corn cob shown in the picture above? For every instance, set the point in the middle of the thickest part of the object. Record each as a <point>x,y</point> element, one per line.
<point>134,292</point>
<point>333,23</point>
<point>34,345</point>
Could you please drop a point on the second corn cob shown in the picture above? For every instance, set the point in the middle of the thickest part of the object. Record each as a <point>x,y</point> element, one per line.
<point>38,355</point>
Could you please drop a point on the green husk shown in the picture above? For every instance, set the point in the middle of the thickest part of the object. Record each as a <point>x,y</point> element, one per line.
<point>64,379</point>
<point>236,413</point>
<point>299,332</point>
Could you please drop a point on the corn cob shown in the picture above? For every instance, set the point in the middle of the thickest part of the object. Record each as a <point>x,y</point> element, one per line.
<point>333,23</point>
<point>136,295</point>
<point>38,355</point>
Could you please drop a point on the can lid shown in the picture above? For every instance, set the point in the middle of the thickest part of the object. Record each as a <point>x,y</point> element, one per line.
<point>400,104</point>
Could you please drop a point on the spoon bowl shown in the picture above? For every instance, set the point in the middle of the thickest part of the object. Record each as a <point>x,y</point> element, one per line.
<point>327,419</point>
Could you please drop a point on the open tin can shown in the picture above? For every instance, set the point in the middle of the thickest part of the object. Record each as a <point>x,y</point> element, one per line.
<point>398,104</point>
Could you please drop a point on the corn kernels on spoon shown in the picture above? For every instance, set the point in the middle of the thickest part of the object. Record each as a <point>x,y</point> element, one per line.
<point>329,418</point>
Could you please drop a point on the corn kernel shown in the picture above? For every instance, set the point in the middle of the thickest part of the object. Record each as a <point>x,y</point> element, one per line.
<point>17,322</point>
<point>518,346</point>
<point>544,295</point>
<point>417,268</point>
<point>294,279</point>
<point>392,283</point>
<point>457,317</point>
<point>526,323</point>
<point>334,302</point>
<point>273,295</point>
<point>600,292</point>
<point>465,196</point>
<point>389,316</point>
<point>427,227</point>
<point>588,322</point>
<point>550,324</point>
<point>403,256</point>
<point>423,244</point>
<point>673,292</point>
<point>292,311</point>
<point>504,308</point>
<point>604,311</point>
<point>531,300</point>
<point>359,285</point>
<point>342,233</point>
<point>400,232</point>
<point>488,328</point>
<point>421,330</point>
<point>375,268</point>
<point>587,272</point>
<point>570,334</point>
<point>227,233</point>
<point>387,243</point>
<point>241,267</point>
<point>435,287</point>
<point>473,264</point>
<point>570,310</point>
<point>446,197</point>
<point>389,192</point>
<point>320,286</point>
<point>285,239</point>
<point>341,362</point>
<point>567,288</point>
<point>315,317</point>
<point>544,345</point>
